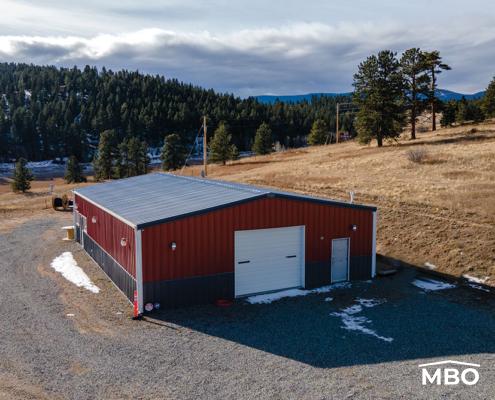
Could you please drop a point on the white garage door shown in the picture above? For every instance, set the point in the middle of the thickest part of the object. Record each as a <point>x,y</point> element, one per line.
<point>268,259</point>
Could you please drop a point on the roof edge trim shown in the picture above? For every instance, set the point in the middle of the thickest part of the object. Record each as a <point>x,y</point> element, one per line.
<point>319,200</point>
<point>113,214</point>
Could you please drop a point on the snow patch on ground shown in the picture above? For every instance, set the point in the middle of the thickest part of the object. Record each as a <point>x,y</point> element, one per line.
<point>329,288</point>
<point>430,265</point>
<point>271,297</point>
<point>478,287</point>
<point>67,266</point>
<point>474,279</point>
<point>432,284</point>
<point>368,303</point>
<point>353,322</point>
<point>328,299</point>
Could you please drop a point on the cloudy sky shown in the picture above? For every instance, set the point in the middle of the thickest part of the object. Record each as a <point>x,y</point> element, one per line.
<point>251,47</point>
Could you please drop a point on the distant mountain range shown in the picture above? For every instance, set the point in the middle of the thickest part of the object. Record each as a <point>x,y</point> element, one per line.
<point>442,94</point>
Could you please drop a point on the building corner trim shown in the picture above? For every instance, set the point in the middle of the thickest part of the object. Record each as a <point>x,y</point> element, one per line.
<point>139,269</point>
<point>373,247</point>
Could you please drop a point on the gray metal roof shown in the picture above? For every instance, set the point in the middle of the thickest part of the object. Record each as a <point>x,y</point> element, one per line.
<point>159,197</point>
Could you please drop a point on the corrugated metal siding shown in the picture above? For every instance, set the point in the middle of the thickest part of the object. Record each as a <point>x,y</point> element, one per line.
<point>115,272</point>
<point>107,233</point>
<point>205,243</point>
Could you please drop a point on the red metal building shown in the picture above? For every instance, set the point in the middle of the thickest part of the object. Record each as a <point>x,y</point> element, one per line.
<point>181,240</point>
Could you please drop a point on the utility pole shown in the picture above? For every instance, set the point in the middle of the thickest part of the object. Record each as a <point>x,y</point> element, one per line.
<point>337,135</point>
<point>345,107</point>
<point>205,148</point>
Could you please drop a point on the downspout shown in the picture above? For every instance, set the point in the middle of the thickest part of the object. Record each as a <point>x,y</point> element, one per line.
<point>139,268</point>
<point>74,208</point>
<point>373,247</point>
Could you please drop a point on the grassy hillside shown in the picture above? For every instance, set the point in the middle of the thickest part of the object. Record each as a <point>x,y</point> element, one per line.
<point>440,210</point>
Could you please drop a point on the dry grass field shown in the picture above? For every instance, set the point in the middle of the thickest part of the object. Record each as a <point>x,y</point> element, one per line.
<point>17,208</point>
<point>440,210</point>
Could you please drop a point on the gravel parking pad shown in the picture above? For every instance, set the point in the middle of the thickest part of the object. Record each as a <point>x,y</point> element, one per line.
<point>299,347</point>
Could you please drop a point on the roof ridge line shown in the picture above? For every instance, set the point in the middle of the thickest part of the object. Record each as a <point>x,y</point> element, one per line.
<point>226,184</point>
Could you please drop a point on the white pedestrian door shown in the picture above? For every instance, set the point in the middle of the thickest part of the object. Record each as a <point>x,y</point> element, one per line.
<point>268,259</point>
<point>340,260</point>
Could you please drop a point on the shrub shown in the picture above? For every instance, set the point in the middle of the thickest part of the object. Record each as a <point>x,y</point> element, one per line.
<point>418,155</point>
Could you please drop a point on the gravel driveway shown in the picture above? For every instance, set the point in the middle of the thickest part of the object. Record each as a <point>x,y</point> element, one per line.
<point>293,348</point>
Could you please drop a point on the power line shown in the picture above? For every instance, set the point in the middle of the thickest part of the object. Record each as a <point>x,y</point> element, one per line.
<point>342,107</point>
<point>192,148</point>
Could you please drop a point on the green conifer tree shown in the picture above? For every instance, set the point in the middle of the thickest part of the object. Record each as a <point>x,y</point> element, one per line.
<point>142,159</point>
<point>220,146</point>
<point>22,177</point>
<point>488,104</point>
<point>122,160</point>
<point>234,151</point>
<point>263,141</point>
<point>318,134</point>
<point>103,162</point>
<point>448,113</point>
<point>435,67</point>
<point>74,172</point>
<point>462,113</point>
<point>173,153</point>
<point>414,69</point>
<point>379,94</point>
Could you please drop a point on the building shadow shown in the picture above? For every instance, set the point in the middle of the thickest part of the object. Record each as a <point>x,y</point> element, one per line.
<point>445,323</point>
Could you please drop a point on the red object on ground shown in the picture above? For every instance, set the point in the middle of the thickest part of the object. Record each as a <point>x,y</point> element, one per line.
<point>223,303</point>
<point>136,307</point>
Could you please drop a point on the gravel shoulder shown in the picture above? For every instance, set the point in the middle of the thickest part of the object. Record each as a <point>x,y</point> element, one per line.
<point>294,348</point>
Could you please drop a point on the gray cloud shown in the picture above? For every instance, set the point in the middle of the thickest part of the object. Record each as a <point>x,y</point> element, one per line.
<point>297,58</point>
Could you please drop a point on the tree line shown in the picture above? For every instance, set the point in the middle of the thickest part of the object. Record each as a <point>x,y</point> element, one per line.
<point>48,112</point>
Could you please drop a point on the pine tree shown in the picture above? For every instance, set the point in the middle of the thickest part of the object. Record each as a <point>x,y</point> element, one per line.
<point>173,153</point>
<point>103,162</point>
<point>74,172</point>
<point>132,158</point>
<point>435,67</point>
<point>263,142</point>
<point>468,111</point>
<point>220,146</point>
<point>22,177</point>
<point>122,160</point>
<point>142,159</point>
<point>379,93</point>
<point>319,133</point>
<point>234,151</point>
<point>488,104</point>
<point>414,70</point>
<point>448,113</point>
<point>462,113</point>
